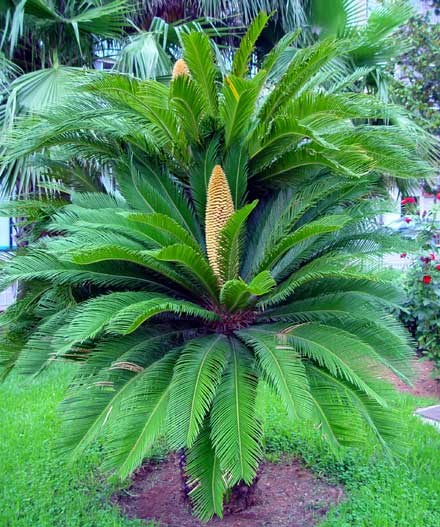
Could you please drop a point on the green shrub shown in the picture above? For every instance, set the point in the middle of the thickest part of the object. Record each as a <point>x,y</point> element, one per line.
<point>421,312</point>
<point>421,282</point>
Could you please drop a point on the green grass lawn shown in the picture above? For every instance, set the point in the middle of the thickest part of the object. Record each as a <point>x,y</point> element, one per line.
<point>39,490</point>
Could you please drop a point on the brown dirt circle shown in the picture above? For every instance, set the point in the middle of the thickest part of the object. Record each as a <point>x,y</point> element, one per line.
<point>424,384</point>
<point>288,495</point>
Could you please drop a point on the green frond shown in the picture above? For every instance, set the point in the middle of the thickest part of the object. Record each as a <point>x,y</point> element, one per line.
<point>283,368</point>
<point>242,56</point>
<point>278,50</point>
<point>198,54</point>
<point>285,133</point>
<point>143,57</point>
<point>284,211</point>
<point>382,291</point>
<point>327,266</point>
<point>12,344</point>
<point>147,190</point>
<point>25,305</point>
<point>193,263</point>
<point>329,223</point>
<point>90,318</point>
<point>131,317</point>
<point>98,201</point>
<point>334,414</point>
<point>236,294</point>
<point>330,305</point>
<point>119,313</point>
<point>343,355</point>
<point>197,375</point>
<point>32,210</point>
<point>305,63</point>
<point>360,315</point>
<point>230,242</point>
<point>165,225</point>
<point>381,421</point>
<point>189,104</point>
<point>41,348</point>
<point>114,226</point>
<point>205,161</point>
<point>391,343</point>
<point>41,265</point>
<point>140,418</point>
<point>238,103</point>
<point>103,384</point>
<point>87,256</point>
<point>235,431</point>
<point>236,168</point>
<point>205,477</point>
<point>126,351</point>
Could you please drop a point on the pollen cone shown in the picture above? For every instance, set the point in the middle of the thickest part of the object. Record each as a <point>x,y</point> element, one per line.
<point>180,68</point>
<point>219,208</point>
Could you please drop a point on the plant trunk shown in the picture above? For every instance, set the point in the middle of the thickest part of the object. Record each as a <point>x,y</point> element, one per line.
<point>184,487</point>
<point>243,496</point>
<point>239,498</point>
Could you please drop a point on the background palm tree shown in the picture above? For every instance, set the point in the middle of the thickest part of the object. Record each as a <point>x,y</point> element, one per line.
<point>147,284</point>
<point>53,45</point>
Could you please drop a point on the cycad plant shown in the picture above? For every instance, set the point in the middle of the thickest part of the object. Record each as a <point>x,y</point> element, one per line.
<point>239,247</point>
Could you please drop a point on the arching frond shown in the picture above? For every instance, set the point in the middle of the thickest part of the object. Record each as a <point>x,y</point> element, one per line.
<point>197,375</point>
<point>116,372</point>
<point>205,477</point>
<point>236,433</point>
<point>282,368</point>
<point>240,63</point>
<point>140,417</point>
<point>198,55</point>
<point>230,242</point>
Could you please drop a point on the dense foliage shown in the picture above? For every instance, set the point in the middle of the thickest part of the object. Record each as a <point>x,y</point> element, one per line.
<point>236,244</point>
<point>421,280</point>
<point>421,310</point>
<point>45,47</point>
<point>416,84</point>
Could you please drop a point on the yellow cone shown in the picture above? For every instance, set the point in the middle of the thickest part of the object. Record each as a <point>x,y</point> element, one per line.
<point>180,68</point>
<point>219,208</point>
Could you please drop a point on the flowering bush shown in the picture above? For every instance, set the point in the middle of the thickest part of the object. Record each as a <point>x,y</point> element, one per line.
<point>425,224</point>
<point>422,282</point>
<point>422,314</point>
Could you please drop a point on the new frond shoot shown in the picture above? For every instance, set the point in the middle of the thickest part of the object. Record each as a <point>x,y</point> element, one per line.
<point>240,246</point>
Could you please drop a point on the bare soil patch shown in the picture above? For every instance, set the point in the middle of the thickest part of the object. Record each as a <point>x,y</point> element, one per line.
<point>424,384</point>
<point>288,495</point>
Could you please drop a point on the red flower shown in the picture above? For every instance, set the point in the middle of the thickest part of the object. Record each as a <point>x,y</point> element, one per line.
<point>438,195</point>
<point>427,279</point>
<point>432,256</point>
<point>403,255</point>
<point>407,200</point>
<point>408,220</point>
<point>437,267</point>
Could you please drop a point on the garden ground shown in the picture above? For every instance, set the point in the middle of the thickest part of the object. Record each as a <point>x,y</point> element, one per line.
<point>39,489</point>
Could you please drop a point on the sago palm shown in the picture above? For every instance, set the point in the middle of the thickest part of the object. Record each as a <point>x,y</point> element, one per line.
<point>239,247</point>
